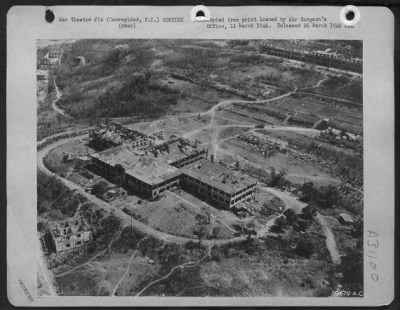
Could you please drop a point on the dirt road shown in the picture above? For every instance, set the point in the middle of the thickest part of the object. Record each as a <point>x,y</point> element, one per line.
<point>214,143</point>
<point>181,266</point>
<point>330,238</point>
<point>290,201</point>
<point>54,103</point>
<point>128,267</point>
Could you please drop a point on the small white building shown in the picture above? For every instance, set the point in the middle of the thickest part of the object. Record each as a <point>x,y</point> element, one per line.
<point>345,219</point>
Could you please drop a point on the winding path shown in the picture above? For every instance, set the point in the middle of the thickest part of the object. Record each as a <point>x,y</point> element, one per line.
<point>289,201</point>
<point>54,103</point>
<point>330,238</point>
<point>172,271</point>
<point>116,287</point>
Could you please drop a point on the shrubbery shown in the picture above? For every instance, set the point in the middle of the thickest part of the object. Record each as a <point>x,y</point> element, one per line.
<point>352,268</point>
<point>54,197</point>
<point>304,248</point>
<point>325,196</point>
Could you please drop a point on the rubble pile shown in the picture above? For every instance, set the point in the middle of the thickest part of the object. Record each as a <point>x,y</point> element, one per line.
<point>265,145</point>
<point>351,191</point>
<point>341,138</point>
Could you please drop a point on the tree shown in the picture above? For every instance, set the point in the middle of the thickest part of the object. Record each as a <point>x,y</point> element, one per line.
<point>358,228</point>
<point>308,211</point>
<point>304,248</point>
<point>99,188</point>
<point>308,191</point>
<point>206,211</point>
<point>276,177</point>
<point>190,245</point>
<point>216,232</point>
<point>216,254</point>
<point>201,232</point>
<point>279,225</point>
<point>291,216</point>
<point>327,196</point>
<point>237,164</point>
<point>352,267</point>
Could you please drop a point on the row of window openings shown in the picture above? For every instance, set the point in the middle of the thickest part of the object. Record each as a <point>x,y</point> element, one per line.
<point>192,157</point>
<point>168,187</point>
<point>68,245</point>
<point>209,187</point>
<point>78,235</point>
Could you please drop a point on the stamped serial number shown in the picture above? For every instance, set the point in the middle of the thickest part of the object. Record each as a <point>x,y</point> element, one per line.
<point>346,293</point>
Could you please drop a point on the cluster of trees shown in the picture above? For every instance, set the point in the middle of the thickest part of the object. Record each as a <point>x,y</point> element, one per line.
<point>299,222</point>
<point>103,225</point>
<point>133,94</point>
<point>351,89</point>
<point>139,95</point>
<point>202,228</point>
<point>277,178</point>
<point>324,196</point>
<point>194,59</point>
<point>129,239</point>
<point>277,78</point>
<point>352,268</point>
<point>304,248</point>
<point>248,59</point>
<point>99,189</point>
<point>54,198</point>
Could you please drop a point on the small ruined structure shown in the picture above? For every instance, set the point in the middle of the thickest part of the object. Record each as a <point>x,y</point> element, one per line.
<point>51,59</point>
<point>79,61</point>
<point>345,219</point>
<point>42,78</point>
<point>42,75</point>
<point>264,143</point>
<point>69,234</point>
<point>340,137</point>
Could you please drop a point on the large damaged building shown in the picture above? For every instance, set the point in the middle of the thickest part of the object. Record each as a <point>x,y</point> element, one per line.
<point>150,171</point>
<point>106,135</point>
<point>218,184</point>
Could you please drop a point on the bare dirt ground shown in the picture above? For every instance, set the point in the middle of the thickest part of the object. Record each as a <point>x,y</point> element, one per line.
<point>298,171</point>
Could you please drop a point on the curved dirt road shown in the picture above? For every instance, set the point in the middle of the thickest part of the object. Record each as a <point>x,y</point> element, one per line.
<point>125,218</point>
<point>54,103</point>
<point>289,201</point>
<point>330,238</point>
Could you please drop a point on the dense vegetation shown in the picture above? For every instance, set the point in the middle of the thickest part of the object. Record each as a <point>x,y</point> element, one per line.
<point>115,81</point>
<point>55,200</point>
<point>136,96</point>
<point>342,87</point>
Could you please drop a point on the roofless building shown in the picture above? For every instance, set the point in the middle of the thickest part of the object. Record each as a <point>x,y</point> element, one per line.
<point>152,170</point>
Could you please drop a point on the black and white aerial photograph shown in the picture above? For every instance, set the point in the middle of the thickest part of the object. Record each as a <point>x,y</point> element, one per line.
<point>200,168</point>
